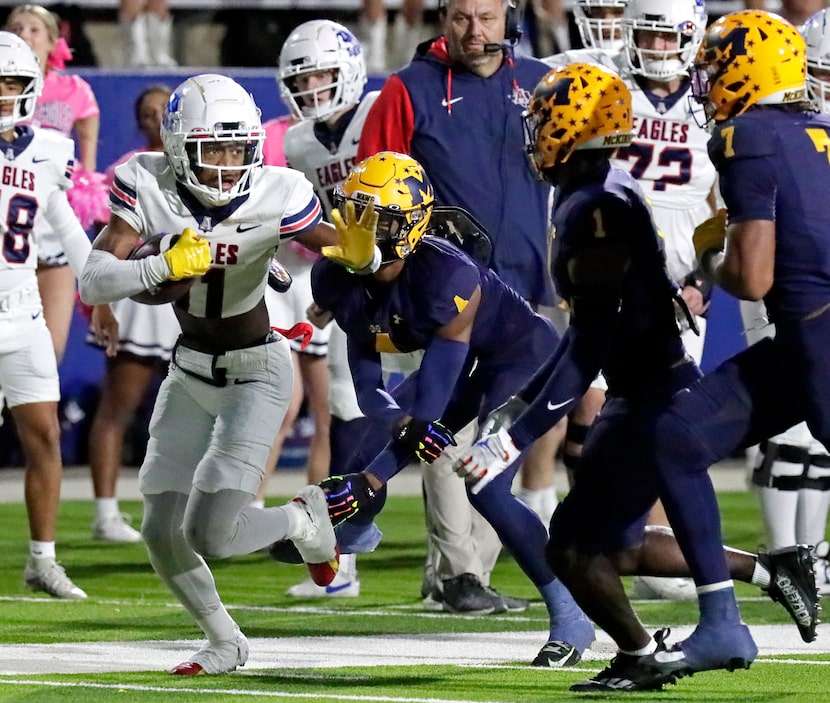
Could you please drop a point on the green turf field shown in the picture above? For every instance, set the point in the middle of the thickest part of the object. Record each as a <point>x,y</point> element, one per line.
<point>380,647</point>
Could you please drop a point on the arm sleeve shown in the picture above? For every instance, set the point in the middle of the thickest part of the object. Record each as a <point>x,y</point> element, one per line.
<point>62,219</point>
<point>438,375</point>
<point>390,123</point>
<point>106,278</point>
<point>374,400</point>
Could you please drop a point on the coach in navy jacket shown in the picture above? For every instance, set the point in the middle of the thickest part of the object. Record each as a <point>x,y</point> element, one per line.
<point>456,108</point>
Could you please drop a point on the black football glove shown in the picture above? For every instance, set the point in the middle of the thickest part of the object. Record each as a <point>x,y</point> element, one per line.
<point>426,440</point>
<point>346,495</point>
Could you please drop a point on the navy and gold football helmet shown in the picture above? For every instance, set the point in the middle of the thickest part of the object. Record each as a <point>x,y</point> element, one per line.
<point>403,198</point>
<point>749,58</point>
<point>575,107</point>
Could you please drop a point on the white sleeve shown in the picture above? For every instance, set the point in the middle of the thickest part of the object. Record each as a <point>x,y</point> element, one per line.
<point>106,278</point>
<point>63,220</point>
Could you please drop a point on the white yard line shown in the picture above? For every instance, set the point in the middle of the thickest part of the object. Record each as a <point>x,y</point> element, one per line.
<point>461,649</point>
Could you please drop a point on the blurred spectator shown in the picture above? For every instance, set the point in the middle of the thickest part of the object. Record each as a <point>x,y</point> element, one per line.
<point>406,34</point>
<point>66,105</point>
<point>148,32</point>
<point>146,337</point>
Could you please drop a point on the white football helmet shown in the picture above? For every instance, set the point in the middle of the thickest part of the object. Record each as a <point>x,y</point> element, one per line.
<point>321,45</point>
<point>17,60</point>
<point>686,19</point>
<point>816,33</point>
<point>206,109</point>
<point>598,32</point>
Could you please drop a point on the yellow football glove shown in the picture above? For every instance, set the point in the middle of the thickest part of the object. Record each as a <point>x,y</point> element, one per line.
<point>188,257</point>
<point>710,234</point>
<point>355,248</point>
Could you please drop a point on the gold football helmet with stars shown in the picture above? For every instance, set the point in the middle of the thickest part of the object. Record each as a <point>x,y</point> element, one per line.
<point>403,197</point>
<point>575,107</point>
<point>749,58</point>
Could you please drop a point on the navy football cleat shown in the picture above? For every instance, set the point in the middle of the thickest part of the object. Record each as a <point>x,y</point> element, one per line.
<point>709,647</point>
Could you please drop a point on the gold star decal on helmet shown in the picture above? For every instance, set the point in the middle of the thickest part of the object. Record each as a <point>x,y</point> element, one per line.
<point>460,303</point>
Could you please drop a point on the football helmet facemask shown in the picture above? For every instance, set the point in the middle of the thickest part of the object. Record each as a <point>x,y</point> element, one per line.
<point>816,32</point>
<point>321,45</point>
<point>212,113</point>
<point>597,31</point>
<point>749,58</point>
<point>649,25</point>
<point>575,107</point>
<point>402,195</point>
<point>17,60</point>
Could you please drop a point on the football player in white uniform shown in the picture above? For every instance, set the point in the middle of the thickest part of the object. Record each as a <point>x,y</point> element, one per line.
<point>37,166</point>
<point>218,409</point>
<point>791,471</point>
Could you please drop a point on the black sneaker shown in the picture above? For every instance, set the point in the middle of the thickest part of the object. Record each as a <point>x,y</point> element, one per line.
<point>627,673</point>
<point>507,604</point>
<point>285,551</point>
<point>793,585</point>
<point>465,594</point>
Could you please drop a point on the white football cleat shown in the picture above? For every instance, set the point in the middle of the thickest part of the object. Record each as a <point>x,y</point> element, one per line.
<point>316,542</point>
<point>49,576</point>
<point>487,460</point>
<point>342,586</point>
<point>663,588</point>
<point>219,659</point>
<point>115,529</point>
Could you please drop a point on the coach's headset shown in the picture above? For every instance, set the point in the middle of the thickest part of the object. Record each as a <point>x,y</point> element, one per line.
<point>512,25</point>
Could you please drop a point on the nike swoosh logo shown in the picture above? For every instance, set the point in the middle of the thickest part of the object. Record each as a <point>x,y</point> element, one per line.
<point>552,406</point>
<point>39,161</point>
<point>446,103</point>
<point>341,587</point>
<point>240,228</point>
<point>35,315</point>
<point>356,141</point>
<point>241,381</point>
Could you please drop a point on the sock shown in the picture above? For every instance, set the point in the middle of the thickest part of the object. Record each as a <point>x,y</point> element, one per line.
<point>41,550</point>
<point>106,508</point>
<point>650,648</point>
<point>718,607</point>
<point>567,621</point>
<point>348,566</point>
<point>760,576</point>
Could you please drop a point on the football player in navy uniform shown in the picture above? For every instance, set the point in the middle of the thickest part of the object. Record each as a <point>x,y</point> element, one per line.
<point>770,148</point>
<point>609,264</point>
<point>230,378</point>
<point>481,343</point>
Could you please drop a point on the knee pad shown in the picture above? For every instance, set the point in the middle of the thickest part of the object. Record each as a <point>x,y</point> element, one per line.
<point>781,466</point>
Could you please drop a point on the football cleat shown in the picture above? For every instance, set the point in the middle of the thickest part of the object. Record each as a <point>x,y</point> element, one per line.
<point>49,576</point>
<point>115,528</point>
<point>728,647</point>
<point>793,585</point>
<point>316,542</point>
<point>556,654</point>
<point>628,673</point>
<point>663,588</point>
<point>822,568</point>
<point>218,659</point>
<point>285,551</point>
